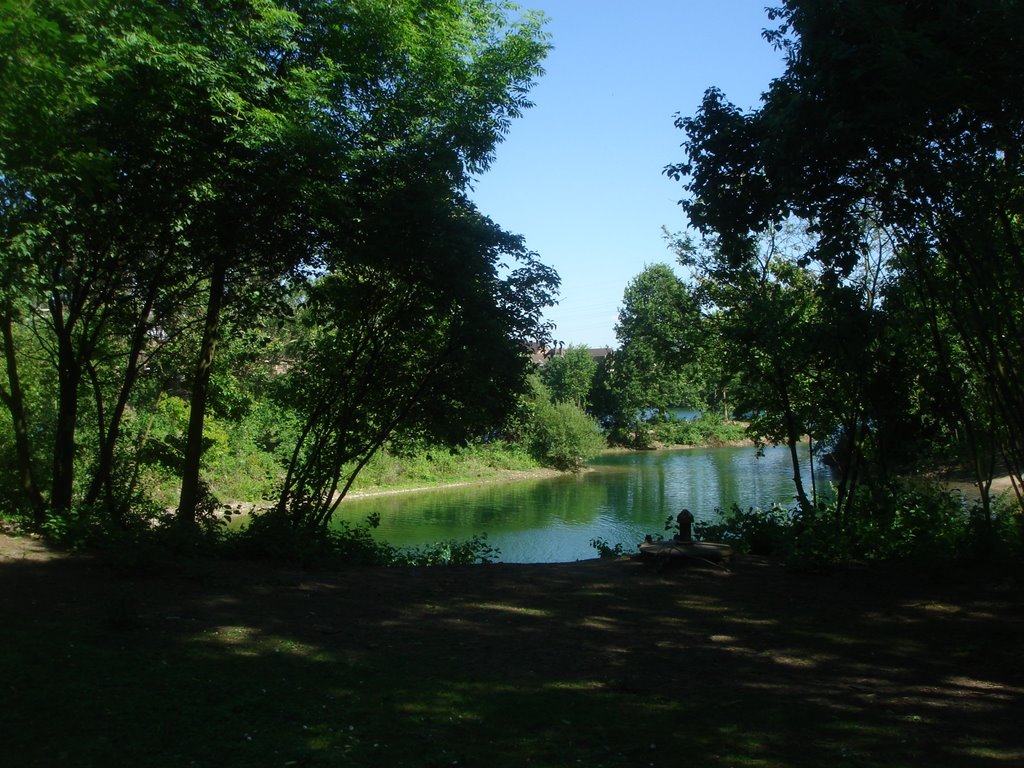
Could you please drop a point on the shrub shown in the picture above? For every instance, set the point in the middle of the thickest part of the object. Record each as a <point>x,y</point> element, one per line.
<point>753,531</point>
<point>707,429</point>
<point>272,535</point>
<point>924,524</point>
<point>563,436</point>
<point>606,551</point>
<point>469,552</point>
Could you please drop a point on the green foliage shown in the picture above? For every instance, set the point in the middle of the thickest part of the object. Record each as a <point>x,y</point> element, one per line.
<point>144,537</point>
<point>562,435</point>
<point>605,550</point>
<point>754,531</point>
<point>570,376</point>
<point>432,464</point>
<point>894,137</point>
<point>917,523</point>
<point>271,535</point>
<point>472,551</point>
<point>709,429</point>
<point>799,347</point>
<point>433,339</point>
<point>170,173</point>
<point>659,333</point>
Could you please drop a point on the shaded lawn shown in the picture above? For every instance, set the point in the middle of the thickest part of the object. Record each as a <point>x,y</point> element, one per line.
<point>596,663</point>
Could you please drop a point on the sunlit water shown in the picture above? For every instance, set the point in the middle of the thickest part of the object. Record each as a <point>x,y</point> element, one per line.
<point>623,498</point>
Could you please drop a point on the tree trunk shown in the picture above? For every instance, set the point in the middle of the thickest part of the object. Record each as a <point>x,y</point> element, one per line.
<point>14,399</point>
<point>190,482</point>
<point>102,477</point>
<point>69,376</point>
<point>794,454</point>
<point>793,441</point>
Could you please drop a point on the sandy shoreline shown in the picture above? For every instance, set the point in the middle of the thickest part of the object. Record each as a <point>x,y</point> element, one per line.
<point>506,476</point>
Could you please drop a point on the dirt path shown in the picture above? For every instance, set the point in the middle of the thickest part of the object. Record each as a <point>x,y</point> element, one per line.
<point>24,548</point>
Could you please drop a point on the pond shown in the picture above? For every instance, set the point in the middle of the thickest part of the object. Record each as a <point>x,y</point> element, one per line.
<point>623,497</point>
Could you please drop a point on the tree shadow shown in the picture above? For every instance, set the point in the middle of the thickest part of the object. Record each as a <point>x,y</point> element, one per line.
<point>605,663</point>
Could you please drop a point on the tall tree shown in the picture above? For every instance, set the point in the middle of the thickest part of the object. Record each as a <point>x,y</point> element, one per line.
<point>799,347</point>
<point>658,331</point>
<point>93,201</point>
<point>569,375</point>
<point>900,115</point>
<point>414,331</point>
<point>151,150</point>
<point>362,84</point>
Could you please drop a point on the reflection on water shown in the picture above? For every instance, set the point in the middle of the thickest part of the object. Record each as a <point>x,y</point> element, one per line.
<point>626,496</point>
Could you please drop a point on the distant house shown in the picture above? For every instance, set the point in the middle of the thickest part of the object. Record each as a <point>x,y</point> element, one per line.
<point>540,354</point>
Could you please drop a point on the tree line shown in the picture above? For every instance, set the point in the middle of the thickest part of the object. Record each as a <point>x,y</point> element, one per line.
<point>855,259</point>
<point>241,232</point>
<point>211,208</point>
<point>851,284</point>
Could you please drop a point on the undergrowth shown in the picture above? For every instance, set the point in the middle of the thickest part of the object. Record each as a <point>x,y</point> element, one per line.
<point>147,541</point>
<point>434,465</point>
<point>927,525</point>
<point>270,535</point>
<point>709,429</point>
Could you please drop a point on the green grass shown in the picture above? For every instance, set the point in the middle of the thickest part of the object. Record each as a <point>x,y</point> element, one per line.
<point>250,476</point>
<point>234,697</point>
<point>389,471</point>
<point>259,667</point>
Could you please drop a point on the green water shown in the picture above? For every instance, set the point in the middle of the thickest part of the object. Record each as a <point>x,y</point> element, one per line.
<point>553,520</point>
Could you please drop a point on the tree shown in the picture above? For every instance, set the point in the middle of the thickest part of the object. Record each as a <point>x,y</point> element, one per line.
<point>570,376</point>
<point>411,300</point>
<point>93,207</point>
<point>658,332</point>
<point>561,434</point>
<point>799,347</point>
<point>152,152</point>
<point>361,84</point>
<point>412,332</point>
<point>904,117</point>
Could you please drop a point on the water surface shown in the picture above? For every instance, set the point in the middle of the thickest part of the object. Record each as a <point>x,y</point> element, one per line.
<point>624,497</point>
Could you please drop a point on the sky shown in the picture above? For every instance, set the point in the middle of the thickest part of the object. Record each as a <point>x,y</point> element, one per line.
<point>580,174</point>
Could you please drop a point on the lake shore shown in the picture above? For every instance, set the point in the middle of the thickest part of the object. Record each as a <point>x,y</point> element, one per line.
<point>537,473</point>
<point>954,481</point>
<point>501,476</point>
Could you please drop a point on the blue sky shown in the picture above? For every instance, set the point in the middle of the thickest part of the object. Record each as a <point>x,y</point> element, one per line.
<point>580,174</point>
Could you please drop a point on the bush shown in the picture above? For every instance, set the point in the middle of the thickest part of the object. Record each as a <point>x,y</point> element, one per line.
<point>470,552</point>
<point>606,551</point>
<point>751,531</point>
<point>563,436</point>
<point>272,535</point>
<point>707,430</point>
<point>924,524</point>
<point>1006,536</point>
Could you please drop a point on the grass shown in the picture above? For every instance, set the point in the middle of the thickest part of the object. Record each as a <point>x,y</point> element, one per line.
<point>251,476</point>
<point>594,664</point>
<point>388,471</point>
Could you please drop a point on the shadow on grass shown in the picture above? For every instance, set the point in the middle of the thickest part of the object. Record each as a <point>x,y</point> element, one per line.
<point>596,663</point>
